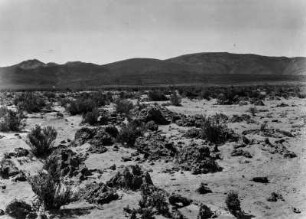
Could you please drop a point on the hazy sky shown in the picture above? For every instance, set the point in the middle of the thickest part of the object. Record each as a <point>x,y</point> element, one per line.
<point>103,31</point>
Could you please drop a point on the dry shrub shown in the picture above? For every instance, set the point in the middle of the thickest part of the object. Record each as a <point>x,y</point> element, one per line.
<point>10,120</point>
<point>51,193</point>
<point>41,140</point>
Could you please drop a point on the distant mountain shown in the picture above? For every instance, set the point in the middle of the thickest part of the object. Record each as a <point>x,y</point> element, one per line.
<point>200,68</point>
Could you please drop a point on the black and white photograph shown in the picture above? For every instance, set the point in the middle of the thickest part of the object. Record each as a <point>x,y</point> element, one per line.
<point>152,109</point>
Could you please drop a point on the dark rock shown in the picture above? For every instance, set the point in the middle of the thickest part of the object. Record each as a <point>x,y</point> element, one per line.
<point>21,152</point>
<point>99,193</point>
<point>197,159</point>
<point>179,201</point>
<point>154,147</point>
<point>101,138</point>
<point>83,135</point>
<point>152,113</point>
<point>152,126</point>
<point>131,177</point>
<point>240,152</point>
<point>18,209</point>
<point>275,197</point>
<point>261,179</point>
<point>2,212</point>
<point>97,149</point>
<point>193,133</point>
<point>64,162</point>
<point>204,212</point>
<point>126,158</point>
<point>8,169</point>
<point>20,177</point>
<point>203,189</point>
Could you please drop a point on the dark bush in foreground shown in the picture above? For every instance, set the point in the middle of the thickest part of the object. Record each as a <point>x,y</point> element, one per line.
<point>18,209</point>
<point>123,106</point>
<point>52,194</point>
<point>41,140</point>
<point>233,204</point>
<point>29,102</point>
<point>10,120</point>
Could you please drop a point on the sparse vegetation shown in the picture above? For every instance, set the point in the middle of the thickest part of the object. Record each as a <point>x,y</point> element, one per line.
<point>52,194</point>
<point>175,99</point>
<point>215,131</point>
<point>10,120</point>
<point>130,132</point>
<point>41,140</point>
<point>156,95</point>
<point>29,102</point>
<point>123,106</point>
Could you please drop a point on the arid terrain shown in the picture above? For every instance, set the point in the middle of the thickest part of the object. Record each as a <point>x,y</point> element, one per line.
<point>168,153</point>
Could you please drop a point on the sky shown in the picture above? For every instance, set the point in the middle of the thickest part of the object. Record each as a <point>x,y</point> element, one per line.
<point>104,31</point>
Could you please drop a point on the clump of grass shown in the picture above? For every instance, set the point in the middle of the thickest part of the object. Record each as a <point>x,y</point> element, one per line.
<point>41,140</point>
<point>29,102</point>
<point>123,106</point>
<point>10,120</point>
<point>51,193</point>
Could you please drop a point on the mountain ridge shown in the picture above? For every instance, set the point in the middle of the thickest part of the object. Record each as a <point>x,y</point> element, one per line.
<point>216,67</point>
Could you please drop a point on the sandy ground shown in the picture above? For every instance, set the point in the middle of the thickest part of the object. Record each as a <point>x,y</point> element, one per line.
<point>286,175</point>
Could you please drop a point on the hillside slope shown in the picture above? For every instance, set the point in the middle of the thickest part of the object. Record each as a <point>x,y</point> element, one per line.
<point>207,68</point>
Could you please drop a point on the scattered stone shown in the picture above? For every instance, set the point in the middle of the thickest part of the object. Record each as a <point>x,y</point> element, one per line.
<point>152,126</point>
<point>275,197</point>
<point>203,189</point>
<point>21,152</point>
<point>179,201</point>
<point>261,179</point>
<point>197,159</point>
<point>152,113</point>
<point>240,152</point>
<point>8,169</point>
<point>154,147</point>
<point>97,149</point>
<point>99,193</point>
<point>296,210</point>
<point>126,158</point>
<point>18,209</point>
<point>205,212</point>
<point>64,162</point>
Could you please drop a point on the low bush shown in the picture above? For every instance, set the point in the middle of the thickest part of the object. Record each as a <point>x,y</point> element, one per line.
<point>204,212</point>
<point>81,106</point>
<point>10,120</point>
<point>215,131</point>
<point>233,204</point>
<point>123,106</point>
<point>41,140</point>
<point>156,95</point>
<point>129,133</point>
<point>175,99</point>
<point>52,194</point>
<point>92,117</point>
<point>29,102</point>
